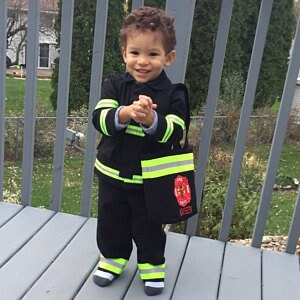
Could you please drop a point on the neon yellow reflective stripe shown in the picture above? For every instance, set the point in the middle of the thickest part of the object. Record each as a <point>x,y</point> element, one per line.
<point>120,261</point>
<point>137,179</point>
<point>169,131</point>
<point>103,115</point>
<point>150,267</point>
<point>111,266</point>
<point>135,130</point>
<point>107,170</point>
<point>177,120</point>
<point>167,159</point>
<point>113,173</point>
<point>107,103</point>
<point>157,275</point>
<point>167,165</point>
<point>148,271</point>
<point>115,265</point>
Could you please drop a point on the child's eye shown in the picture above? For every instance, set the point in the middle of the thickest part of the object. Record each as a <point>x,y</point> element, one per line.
<point>153,54</point>
<point>134,52</point>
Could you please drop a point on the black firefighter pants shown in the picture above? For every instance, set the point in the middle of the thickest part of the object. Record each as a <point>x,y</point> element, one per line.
<point>122,217</point>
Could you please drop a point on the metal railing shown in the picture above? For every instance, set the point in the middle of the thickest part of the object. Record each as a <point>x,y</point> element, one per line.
<point>183,16</point>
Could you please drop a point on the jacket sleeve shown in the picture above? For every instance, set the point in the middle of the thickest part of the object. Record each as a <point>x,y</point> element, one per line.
<point>104,112</point>
<point>171,126</point>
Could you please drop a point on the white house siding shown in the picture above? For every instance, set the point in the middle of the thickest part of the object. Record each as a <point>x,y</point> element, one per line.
<point>296,100</point>
<point>43,39</point>
<point>47,37</point>
<point>49,40</point>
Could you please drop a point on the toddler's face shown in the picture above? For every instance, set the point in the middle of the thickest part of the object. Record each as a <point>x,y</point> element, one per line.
<point>145,55</point>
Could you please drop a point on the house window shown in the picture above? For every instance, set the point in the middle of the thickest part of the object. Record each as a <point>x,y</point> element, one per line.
<point>44,56</point>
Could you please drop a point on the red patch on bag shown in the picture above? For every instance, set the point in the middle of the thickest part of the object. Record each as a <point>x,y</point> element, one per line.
<point>186,210</point>
<point>182,190</point>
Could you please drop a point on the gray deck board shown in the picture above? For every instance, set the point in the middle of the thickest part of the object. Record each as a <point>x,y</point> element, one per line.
<point>27,265</point>
<point>24,225</point>
<point>281,276</point>
<point>74,264</point>
<point>48,255</point>
<point>200,272</point>
<point>241,272</point>
<point>7,211</point>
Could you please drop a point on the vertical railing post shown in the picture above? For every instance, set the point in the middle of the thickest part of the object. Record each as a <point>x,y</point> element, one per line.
<point>30,99</point>
<point>278,139</point>
<point>211,104</point>
<point>137,4</point>
<point>294,231</point>
<point>62,102</point>
<point>3,18</point>
<point>183,15</point>
<point>17,138</point>
<point>95,91</point>
<point>249,96</point>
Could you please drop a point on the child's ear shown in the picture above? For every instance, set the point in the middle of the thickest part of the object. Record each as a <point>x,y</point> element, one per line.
<point>170,58</point>
<point>124,54</point>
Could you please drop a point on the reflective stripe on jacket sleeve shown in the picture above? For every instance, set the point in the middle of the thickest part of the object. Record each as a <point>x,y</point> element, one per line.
<point>101,110</point>
<point>171,120</point>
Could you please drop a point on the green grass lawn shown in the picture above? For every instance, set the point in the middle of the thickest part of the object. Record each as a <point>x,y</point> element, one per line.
<point>276,105</point>
<point>283,201</point>
<point>42,179</point>
<point>15,94</point>
<point>281,212</point>
<point>72,182</point>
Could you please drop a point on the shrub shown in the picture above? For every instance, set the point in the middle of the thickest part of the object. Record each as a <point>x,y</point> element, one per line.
<point>217,175</point>
<point>293,130</point>
<point>225,128</point>
<point>194,136</point>
<point>262,126</point>
<point>44,133</point>
<point>231,98</point>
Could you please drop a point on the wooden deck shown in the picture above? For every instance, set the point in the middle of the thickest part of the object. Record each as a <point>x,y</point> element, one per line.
<point>48,255</point>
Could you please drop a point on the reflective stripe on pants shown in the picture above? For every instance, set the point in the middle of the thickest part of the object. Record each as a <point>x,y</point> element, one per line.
<point>150,272</point>
<point>115,265</point>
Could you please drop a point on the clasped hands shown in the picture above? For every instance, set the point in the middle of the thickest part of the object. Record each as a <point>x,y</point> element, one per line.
<point>141,111</point>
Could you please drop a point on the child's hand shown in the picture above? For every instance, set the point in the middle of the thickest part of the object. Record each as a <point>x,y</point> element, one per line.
<point>142,110</point>
<point>147,102</point>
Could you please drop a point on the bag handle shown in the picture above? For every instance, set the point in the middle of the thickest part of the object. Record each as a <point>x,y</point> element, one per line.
<point>187,113</point>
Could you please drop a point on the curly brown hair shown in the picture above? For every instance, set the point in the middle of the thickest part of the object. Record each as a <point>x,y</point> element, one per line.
<point>153,19</point>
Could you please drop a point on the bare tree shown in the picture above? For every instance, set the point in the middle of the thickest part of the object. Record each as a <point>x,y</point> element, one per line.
<point>16,32</point>
<point>17,23</point>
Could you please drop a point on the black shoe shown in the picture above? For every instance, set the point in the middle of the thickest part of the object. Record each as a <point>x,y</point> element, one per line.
<point>102,278</point>
<point>153,288</point>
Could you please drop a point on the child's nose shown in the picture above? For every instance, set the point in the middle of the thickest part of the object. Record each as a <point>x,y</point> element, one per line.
<point>143,60</point>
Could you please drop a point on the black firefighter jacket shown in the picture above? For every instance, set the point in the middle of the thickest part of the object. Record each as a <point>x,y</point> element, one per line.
<point>119,151</point>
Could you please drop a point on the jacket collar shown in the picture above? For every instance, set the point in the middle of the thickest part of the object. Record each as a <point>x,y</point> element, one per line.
<point>159,83</point>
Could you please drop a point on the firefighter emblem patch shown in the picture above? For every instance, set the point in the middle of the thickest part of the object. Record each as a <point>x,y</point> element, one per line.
<point>182,190</point>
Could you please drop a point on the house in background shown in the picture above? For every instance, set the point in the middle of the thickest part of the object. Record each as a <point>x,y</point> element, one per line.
<point>17,21</point>
<point>296,101</point>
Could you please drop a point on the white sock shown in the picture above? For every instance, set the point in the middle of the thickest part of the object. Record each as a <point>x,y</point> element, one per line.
<point>104,274</point>
<point>155,284</point>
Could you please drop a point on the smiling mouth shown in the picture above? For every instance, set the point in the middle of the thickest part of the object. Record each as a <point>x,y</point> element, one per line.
<point>143,71</point>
